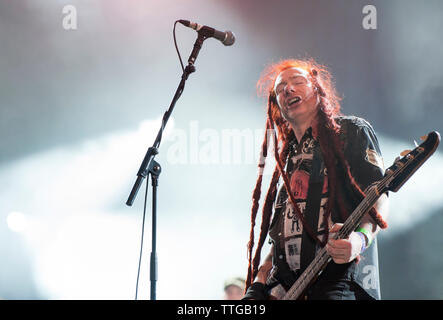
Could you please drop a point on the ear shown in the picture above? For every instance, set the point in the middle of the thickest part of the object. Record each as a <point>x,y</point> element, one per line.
<point>314,72</point>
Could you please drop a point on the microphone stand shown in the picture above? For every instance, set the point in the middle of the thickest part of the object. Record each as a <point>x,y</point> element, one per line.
<point>151,167</point>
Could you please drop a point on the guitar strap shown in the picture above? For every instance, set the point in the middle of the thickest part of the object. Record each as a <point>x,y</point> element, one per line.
<point>312,211</point>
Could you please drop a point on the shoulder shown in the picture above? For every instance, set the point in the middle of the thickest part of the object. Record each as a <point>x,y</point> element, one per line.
<point>357,133</point>
<point>353,123</point>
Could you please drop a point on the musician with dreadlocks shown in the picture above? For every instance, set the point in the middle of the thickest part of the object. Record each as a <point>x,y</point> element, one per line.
<point>325,161</point>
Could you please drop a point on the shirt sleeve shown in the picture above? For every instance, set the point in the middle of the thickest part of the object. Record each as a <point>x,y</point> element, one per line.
<point>363,153</point>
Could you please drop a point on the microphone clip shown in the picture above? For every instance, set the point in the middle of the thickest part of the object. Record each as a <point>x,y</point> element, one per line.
<point>197,46</point>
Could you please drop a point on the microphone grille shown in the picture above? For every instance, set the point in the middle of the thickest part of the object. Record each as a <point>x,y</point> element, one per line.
<point>229,39</point>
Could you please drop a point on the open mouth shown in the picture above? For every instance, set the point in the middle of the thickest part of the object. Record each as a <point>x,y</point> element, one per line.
<point>294,101</point>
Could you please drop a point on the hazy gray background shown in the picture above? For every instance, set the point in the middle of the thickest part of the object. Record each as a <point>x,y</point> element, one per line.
<point>79,108</point>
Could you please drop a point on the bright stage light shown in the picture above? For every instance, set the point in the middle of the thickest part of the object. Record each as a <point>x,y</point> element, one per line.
<point>16,221</point>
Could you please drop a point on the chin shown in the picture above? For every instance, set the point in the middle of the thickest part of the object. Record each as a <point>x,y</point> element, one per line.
<point>294,113</point>
<point>297,117</point>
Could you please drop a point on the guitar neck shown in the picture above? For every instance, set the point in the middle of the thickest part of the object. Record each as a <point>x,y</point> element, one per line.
<point>322,258</point>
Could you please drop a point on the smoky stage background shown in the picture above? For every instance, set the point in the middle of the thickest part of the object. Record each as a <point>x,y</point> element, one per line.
<point>79,108</point>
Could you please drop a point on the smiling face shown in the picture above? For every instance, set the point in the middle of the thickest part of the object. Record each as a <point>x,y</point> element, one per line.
<point>296,96</point>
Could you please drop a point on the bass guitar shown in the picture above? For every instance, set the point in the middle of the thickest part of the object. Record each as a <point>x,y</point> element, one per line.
<point>394,178</point>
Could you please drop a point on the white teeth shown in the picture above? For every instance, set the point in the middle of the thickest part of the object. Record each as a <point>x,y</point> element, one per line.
<point>296,99</point>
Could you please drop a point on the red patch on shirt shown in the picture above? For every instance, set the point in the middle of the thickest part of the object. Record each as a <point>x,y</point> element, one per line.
<point>300,183</point>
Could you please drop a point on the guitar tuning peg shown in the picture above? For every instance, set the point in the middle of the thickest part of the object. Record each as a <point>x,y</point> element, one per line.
<point>396,159</point>
<point>415,143</point>
<point>423,138</point>
<point>404,152</point>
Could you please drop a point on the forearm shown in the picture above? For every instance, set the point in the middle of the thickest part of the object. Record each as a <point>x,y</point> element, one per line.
<point>265,268</point>
<point>382,206</point>
<point>257,290</point>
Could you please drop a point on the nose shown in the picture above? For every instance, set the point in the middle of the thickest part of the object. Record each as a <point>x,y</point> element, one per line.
<point>289,89</point>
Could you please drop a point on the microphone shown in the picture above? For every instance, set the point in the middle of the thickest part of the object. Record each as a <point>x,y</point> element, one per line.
<point>227,37</point>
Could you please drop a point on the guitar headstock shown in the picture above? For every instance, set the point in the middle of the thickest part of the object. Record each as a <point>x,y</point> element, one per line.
<point>403,168</point>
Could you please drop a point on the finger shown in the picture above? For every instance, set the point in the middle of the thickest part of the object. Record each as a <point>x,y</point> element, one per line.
<point>341,258</point>
<point>341,243</point>
<point>340,261</point>
<point>335,252</point>
<point>337,257</point>
<point>336,227</point>
<point>339,254</point>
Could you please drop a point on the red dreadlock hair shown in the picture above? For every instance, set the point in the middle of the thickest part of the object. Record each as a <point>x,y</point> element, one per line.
<point>325,130</point>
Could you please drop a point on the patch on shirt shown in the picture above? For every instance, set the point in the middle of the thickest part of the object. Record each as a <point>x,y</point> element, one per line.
<point>373,158</point>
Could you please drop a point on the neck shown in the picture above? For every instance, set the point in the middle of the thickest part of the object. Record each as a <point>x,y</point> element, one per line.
<point>299,126</point>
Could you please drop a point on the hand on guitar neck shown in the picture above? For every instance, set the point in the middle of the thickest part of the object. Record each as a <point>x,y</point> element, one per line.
<point>346,250</point>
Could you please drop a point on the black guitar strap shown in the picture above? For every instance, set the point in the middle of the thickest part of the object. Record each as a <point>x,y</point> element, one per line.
<point>311,214</point>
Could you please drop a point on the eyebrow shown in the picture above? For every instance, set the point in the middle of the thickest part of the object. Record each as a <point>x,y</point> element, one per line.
<point>291,77</point>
